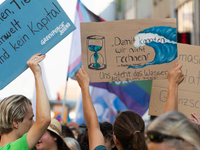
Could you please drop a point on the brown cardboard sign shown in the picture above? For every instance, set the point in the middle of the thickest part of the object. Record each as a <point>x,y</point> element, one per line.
<point>189,89</point>
<point>139,49</point>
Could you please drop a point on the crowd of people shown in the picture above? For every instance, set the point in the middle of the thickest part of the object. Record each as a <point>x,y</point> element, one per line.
<point>170,131</point>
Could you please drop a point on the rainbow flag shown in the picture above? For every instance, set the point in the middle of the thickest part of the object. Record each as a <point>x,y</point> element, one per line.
<point>134,94</point>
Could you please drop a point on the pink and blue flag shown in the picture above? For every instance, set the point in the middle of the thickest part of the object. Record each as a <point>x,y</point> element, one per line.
<point>106,104</point>
<point>82,15</point>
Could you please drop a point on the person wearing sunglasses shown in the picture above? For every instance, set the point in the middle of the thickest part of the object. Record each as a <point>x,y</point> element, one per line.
<point>172,131</point>
<point>157,137</point>
<point>175,77</point>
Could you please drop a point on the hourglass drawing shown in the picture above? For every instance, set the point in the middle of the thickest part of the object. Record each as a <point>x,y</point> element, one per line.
<point>96,52</point>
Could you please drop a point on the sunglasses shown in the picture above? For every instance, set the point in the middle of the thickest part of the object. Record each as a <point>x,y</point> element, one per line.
<point>158,137</point>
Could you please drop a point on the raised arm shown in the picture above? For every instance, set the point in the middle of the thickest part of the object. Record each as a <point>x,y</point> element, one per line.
<point>175,77</point>
<point>43,116</point>
<point>95,136</point>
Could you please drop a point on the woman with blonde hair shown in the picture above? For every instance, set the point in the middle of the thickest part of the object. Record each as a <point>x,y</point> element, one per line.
<point>173,130</point>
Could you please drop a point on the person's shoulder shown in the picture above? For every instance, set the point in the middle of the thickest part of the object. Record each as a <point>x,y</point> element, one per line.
<point>100,147</point>
<point>22,139</point>
<point>7,147</point>
<point>20,143</point>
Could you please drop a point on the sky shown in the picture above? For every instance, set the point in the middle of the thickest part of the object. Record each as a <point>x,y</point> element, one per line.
<point>55,64</point>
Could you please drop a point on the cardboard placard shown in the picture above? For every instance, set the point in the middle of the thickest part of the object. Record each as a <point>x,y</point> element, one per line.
<point>188,90</point>
<point>28,27</point>
<point>139,49</point>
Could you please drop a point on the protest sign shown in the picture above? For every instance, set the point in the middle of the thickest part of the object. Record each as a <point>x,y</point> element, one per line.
<point>28,27</point>
<point>139,49</point>
<point>188,91</point>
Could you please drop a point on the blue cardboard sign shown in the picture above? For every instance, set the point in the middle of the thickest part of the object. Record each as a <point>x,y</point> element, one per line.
<point>28,27</point>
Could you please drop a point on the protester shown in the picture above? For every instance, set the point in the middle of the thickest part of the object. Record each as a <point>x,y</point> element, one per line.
<point>128,132</point>
<point>67,132</point>
<point>107,131</point>
<point>173,131</point>
<point>175,77</point>
<point>82,129</point>
<point>74,128</point>
<point>51,140</point>
<point>72,143</point>
<point>17,129</point>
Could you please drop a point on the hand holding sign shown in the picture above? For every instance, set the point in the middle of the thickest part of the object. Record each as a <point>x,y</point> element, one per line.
<point>138,49</point>
<point>33,63</point>
<point>82,78</point>
<point>188,91</point>
<point>175,76</point>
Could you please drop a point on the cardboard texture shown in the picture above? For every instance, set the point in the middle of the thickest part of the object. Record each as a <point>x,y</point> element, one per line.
<point>188,91</point>
<point>139,49</point>
<point>28,28</point>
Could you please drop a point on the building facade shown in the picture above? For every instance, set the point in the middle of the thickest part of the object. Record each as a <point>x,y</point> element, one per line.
<point>185,11</point>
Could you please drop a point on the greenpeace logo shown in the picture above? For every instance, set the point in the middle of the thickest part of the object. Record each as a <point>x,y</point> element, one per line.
<point>61,29</point>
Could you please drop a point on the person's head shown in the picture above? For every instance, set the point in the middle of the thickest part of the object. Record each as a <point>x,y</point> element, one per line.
<point>107,131</point>
<point>173,130</point>
<point>51,140</point>
<point>72,143</point>
<point>16,114</point>
<point>129,131</point>
<point>67,132</point>
<point>74,128</point>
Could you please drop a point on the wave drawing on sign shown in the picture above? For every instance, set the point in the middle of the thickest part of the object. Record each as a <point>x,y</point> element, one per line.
<point>162,39</point>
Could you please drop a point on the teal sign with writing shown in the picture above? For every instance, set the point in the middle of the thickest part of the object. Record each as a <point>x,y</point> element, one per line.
<point>28,27</point>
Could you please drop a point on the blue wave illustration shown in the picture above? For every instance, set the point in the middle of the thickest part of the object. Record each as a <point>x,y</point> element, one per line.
<point>162,39</point>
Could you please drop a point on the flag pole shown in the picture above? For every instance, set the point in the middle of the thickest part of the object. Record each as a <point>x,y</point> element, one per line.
<point>63,101</point>
<point>63,104</point>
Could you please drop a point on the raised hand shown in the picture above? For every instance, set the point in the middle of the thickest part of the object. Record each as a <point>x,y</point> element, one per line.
<point>175,75</point>
<point>195,119</point>
<point>33,63</point>
<point>82,78</point>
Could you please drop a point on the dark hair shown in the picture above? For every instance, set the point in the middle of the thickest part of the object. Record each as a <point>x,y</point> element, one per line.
<point>129,130</point>
<point>67,132</point>
<point>106,130</point>
<point>60,143</point>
